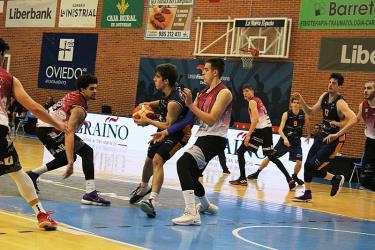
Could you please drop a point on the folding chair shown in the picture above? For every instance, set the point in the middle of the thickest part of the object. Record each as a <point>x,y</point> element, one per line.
<point>356,166</point>
<point>23,122</point>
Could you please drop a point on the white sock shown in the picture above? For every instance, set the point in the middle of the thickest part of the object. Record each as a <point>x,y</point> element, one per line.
<point>38,208</point>
<point>204,201</point>
<point>153,197</point>
<point>189,198</point>
<point>41,170</point>
<point>90,186</point>
<point>26,188</point>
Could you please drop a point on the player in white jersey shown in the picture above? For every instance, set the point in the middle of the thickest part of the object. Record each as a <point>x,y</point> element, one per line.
<point>9,162</point>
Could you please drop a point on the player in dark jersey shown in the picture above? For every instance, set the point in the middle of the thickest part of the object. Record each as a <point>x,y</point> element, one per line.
<point>72,110</point>
<point>290,130</point>
<point>171,108</point>
<point>9,162</point>
<point>325,147</point>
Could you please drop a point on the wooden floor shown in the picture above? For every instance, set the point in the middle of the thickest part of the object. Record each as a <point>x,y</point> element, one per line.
<point>270,188</point>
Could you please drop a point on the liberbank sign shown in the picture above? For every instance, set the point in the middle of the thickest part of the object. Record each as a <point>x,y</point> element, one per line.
<point>337,14</point>
<point>41,13</point>
<point>347,54</point>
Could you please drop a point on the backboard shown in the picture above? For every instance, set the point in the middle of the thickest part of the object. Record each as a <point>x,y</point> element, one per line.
<point>226,38</point>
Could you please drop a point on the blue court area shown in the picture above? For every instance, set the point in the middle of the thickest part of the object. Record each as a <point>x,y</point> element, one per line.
<point>240,224</point>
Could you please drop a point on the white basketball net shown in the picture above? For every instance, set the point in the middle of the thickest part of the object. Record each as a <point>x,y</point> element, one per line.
<point>247,62</point>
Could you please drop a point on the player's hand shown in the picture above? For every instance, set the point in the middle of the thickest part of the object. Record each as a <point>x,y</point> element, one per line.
<point>158,137</point>
<point>334,124</point>
<point>187,96</point>
<point>68,171</point>
<point>141,120</point>
<point>297,95</point>
<point>286,142</point>
<point>330,138</point>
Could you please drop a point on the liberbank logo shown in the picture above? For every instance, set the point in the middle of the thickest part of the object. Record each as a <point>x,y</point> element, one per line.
<point>347,54</point>
<point>40,13</point>
<point>30,14</point>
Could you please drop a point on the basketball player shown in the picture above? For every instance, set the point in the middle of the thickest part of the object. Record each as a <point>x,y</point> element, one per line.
<point>72,110</point>
<point>172,108</point>
<point>212,107</point>
<point>9,162</point>
<point>259,134</point>
<point>290,131</point>
<point>366,113</point>
<point>330,140</point>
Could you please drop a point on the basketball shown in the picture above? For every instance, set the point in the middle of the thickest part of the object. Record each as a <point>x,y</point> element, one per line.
<point>143,110</point>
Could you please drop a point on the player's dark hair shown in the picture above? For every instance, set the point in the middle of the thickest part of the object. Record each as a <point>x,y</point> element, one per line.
<point>168,71</point>
<point>247,86</point>
<point>218,64</point>
<point>3,46</point>
<point>338,77</point>
<point>84,81</point>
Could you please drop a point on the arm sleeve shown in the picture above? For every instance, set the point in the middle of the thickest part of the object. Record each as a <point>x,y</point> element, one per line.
<point>180,124</point>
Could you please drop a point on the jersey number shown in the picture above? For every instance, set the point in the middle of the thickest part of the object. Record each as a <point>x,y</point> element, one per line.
<point>326,111</point>
<point>295,123</point>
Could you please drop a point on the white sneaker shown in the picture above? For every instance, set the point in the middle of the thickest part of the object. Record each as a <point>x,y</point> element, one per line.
<point>212,209</point>
<point>188,218</point>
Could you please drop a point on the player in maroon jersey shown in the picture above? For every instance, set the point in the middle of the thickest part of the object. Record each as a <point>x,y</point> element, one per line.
<point>9,162</point>
<point>71,109</point>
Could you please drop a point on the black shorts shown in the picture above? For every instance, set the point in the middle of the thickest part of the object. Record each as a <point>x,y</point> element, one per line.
<point>206,148</point>
<point>321,153</point>
<point>9,161</point>
<point>261,137</point>
<point>170,145</point>
<point>54,141</point>
<point>369,157</point>
<point>295,149</point>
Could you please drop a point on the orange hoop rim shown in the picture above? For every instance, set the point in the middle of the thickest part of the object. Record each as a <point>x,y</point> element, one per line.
<point>252,51</point>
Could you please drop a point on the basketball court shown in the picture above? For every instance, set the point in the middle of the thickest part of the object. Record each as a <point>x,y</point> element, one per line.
<point>259,216</point>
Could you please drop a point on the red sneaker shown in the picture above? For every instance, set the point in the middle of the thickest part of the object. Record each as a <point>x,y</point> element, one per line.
<point>46,222</point>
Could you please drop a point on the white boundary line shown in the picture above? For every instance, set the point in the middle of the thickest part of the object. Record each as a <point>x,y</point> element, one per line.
<point>74,230</point>
<point>236,231</point>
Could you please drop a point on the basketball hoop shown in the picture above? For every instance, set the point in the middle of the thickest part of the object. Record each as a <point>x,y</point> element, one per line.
<point>248,58</point>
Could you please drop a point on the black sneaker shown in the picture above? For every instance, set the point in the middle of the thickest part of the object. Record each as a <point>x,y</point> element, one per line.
<point>253,176</point>
<point>148,208</point>
<point>337,182</point>
<point>298,180</point>
<point>292,184</point>
<point>138,194</point>
<point>226,171</point>
<point>306,197</point>
<point>34,177</point>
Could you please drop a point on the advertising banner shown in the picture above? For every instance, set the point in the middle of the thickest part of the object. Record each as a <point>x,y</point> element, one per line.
<point>337,14</point>
<point>347,54</point>
<point>33,13</point>
<point>271,81</point>
<point>171,21</point>
<point>64,57</point>
<point>120,147</point>
<point>78,13</point>
<point>122,14</point>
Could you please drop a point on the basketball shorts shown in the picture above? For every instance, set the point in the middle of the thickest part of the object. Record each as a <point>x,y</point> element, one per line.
<point>54,141</point>
<point>261,137</point>
<point>9,161</point>
<point>295,149</point>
